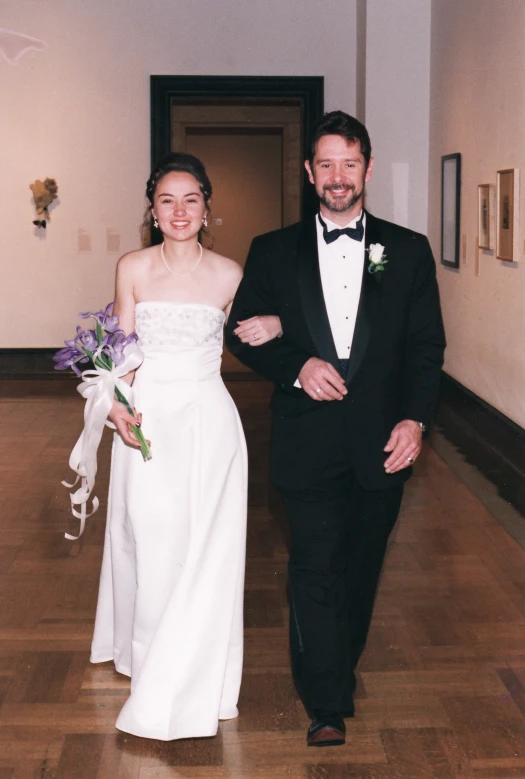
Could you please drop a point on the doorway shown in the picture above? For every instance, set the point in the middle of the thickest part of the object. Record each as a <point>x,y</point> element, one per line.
<point>245,168</point>
<point>251,134</point>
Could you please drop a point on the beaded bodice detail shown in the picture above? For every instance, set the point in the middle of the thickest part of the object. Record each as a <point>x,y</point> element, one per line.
<point>166,324</point>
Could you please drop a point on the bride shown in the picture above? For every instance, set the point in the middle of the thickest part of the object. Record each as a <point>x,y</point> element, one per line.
<point>169,609</point>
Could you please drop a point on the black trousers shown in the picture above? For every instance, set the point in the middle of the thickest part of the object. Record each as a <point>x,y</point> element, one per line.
<point>339,535</point>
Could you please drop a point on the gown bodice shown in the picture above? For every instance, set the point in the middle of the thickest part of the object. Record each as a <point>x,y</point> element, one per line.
<point>165,323</point>
<point>180,341</point>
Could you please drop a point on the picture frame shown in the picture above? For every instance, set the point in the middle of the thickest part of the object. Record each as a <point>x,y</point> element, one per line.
<point>450,209</point>
<point>486,216</point>
<point>507,214</point>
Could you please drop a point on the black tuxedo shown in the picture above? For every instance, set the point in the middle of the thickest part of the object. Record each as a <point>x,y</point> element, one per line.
<point>327,458</point>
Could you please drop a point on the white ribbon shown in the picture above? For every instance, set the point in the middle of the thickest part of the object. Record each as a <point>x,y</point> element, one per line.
<point>97,387</point>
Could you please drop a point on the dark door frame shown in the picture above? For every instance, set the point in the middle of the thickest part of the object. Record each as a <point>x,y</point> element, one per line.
<point>309,90</point>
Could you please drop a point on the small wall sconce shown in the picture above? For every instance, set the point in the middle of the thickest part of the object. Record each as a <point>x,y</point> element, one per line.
<point>44,192</point>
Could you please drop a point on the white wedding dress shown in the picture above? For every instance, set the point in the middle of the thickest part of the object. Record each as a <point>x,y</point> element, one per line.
<point>169,610</point>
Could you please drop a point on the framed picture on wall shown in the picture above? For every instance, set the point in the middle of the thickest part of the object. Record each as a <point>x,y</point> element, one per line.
<point>485,216</point>
<point>450,209</point>
<point>507,213</point>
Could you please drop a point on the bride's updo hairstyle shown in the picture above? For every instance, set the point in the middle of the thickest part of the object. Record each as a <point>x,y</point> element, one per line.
<point>176,162</point>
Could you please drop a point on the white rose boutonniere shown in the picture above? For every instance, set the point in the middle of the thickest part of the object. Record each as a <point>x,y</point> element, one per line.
<point>376,255</point>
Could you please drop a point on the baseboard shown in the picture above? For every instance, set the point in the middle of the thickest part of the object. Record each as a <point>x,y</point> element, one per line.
<point>38,364</point>
<point>30,364</point>
<point>488,439</point>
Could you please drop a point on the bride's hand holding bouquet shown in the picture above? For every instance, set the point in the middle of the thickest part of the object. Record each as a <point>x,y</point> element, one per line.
<point>127,424</point>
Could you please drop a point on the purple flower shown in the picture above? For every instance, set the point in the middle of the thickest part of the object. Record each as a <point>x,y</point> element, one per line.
<point>73,352</point>
<point>107,340</point>
<point>116,350</point>
<point>87,339</point>
<point>68,357</point>
<point>111,324</point>
<point>105,318</point>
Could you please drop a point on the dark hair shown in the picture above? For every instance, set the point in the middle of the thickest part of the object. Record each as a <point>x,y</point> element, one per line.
<point>339,123</point>
<point>179,162</point>
<point>176,162</point>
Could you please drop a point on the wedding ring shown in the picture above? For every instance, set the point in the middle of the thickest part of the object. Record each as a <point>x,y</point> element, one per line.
<point>410,459</point>
<point>318,389</point>
<point>255,337</point>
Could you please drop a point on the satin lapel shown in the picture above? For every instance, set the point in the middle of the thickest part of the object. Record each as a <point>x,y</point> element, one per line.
<point>368,301</point>
<point>311,293</point>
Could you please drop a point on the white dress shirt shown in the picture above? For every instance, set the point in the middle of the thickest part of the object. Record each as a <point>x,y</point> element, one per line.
<point>341,266</point>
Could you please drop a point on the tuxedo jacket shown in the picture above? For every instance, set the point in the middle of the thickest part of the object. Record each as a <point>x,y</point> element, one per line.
<point>395,359</point>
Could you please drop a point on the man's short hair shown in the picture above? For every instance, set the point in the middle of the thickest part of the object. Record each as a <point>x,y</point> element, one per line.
<point>339,123</point>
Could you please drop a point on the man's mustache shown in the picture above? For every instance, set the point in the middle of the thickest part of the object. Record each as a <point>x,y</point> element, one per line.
<point>338,187</point>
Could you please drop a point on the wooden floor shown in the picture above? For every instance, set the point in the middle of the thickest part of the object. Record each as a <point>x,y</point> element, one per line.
<point>441,691</point>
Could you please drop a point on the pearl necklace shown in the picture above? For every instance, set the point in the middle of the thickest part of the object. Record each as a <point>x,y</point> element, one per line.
<point>174,272</point>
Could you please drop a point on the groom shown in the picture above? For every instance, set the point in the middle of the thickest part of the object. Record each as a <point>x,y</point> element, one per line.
<point>356,376</point>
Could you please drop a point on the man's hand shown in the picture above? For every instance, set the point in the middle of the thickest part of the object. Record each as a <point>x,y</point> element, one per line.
<point>404,445</point>
<point>258,330</point>
<point>321,381</point>
<point>123,421</point>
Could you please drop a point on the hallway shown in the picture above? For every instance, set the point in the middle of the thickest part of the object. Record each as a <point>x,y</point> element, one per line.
<point>441,690</point>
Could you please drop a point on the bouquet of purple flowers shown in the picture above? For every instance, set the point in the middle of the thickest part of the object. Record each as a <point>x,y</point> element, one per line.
<point>109,354</point>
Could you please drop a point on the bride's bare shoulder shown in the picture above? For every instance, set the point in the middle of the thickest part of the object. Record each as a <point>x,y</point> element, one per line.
<point>225,266</point>
<point>136,261</point>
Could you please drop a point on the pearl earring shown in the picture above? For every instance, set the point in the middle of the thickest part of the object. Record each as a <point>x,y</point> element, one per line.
<point>205,221</point>
<point>155,223</point>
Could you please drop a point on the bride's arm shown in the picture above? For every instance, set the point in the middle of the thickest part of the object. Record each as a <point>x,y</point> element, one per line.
<point>258,330</point>
<point>125,309</point>
<point>124,295</point>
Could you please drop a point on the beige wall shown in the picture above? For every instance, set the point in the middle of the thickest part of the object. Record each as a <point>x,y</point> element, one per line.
<point>478,108</point>
<point>396,98</point>
<point>79,111</point>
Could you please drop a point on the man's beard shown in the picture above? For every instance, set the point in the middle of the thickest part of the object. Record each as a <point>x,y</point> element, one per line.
<point>340,205</point>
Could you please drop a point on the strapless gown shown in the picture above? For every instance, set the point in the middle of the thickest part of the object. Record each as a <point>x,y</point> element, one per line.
<point>169,609</point>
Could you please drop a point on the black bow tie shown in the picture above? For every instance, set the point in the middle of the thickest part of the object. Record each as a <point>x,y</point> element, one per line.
<point>356,232</point>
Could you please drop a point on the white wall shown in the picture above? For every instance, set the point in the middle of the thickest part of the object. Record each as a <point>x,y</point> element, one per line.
<point>78,111</point>
<point>478,109</point>
<point>397,108</point>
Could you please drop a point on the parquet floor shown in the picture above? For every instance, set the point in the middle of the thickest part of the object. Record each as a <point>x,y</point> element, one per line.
<point>442,685</point>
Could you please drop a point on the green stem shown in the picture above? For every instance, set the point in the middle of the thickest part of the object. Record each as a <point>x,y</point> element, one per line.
<point>104,362</point>
<point>137,431</point>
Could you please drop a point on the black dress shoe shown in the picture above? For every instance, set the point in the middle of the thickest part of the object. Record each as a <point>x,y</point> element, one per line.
<point>327,729</point>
